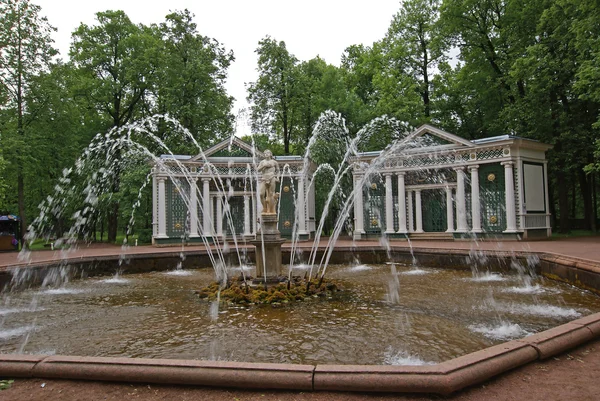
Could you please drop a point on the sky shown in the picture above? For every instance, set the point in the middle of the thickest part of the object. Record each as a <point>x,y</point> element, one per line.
<point>309,28</point>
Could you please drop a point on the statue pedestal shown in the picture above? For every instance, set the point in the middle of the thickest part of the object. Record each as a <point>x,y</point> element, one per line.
<point>268,250</point>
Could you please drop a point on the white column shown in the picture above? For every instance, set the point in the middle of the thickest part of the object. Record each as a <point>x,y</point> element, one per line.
<point>162,208</point>
<point>154,206</point>
<point>449,210</point>
<point>255,214</point>
<point>246,215</point>
<point>411,224</point>
<point>389,205</point>
<point>358,208</point>
<point>418,211</point>
<point>219,217</point>
<point>475,201</point>
<point>193,208</point>
<point>301,205</point>
<point>206,226</point>
<point>509,189</point>
<point>401,204</point>
<point>461,204</point>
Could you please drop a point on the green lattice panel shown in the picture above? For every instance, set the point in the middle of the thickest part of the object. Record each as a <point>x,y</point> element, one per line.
<point>176,210</point>
<point>491,193</point>
<point>286,190</point>
<point>235,219</point>
<point>433,204</point>
<point>374,205</point>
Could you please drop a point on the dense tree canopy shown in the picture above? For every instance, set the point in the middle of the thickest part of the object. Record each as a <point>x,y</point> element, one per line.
<point>476,68</point>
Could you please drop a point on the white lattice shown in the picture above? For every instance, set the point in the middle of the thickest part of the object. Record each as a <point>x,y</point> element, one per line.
<point>433,160</point>
<point>489,154</point>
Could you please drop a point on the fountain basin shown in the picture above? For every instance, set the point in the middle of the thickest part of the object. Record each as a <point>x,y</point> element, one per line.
<point>443,377</point>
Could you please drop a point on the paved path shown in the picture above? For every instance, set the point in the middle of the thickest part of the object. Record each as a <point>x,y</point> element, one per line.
<point>571,376</point>
<point>586,248</point>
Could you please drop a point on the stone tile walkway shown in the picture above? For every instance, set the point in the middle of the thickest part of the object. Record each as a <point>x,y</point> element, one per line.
<point>584,248</point>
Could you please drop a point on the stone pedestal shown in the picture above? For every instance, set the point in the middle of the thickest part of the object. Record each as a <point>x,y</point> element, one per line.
<point>268,240</point>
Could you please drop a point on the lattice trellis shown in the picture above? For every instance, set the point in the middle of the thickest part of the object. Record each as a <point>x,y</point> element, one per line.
<point>433,160</point>
<point>489,154</point>
<point>492,198</point>
<point>177,211</point>
<point>433,205</point>
<point>178,169</point>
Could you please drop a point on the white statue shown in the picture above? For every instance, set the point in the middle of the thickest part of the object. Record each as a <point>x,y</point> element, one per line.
<point>269,170</point>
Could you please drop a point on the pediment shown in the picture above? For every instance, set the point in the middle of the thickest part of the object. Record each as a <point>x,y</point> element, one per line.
<point>232,147</point>
<point>434,137</point>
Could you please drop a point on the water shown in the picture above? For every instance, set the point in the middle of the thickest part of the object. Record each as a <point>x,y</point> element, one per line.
<point>438,316</point>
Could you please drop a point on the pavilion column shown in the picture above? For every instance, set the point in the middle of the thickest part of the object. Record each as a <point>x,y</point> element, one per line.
<point>389,205</point>
<point>193,207</point>
<point>219,222</point>
<point>300,204</point>
<point>418,211</point>
<point>358,208</point>
<point>509,189</point>
<point>475,200</point>
<point>411,224</point>
<point>401,204</point>
<point>162,208</point>
<point>449,210</point>
<point>255,210</point>
<point>461,204</point>
<point>206,226</point>
<point>246,215</point>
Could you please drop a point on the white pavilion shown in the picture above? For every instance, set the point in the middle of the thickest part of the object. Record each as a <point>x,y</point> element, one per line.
<point>433,184</point>
<point>221,187</point>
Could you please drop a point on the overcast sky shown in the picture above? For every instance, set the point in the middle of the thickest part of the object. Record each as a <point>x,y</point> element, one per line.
<point>308,27</point>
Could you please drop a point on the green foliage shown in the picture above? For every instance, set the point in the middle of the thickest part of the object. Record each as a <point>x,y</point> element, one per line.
<point>192,75</point>
<point>26,51</point>
<point>6,384</point>
<point>238,292</point>
<point>273,93</point>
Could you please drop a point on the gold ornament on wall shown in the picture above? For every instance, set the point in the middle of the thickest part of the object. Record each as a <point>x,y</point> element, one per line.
<point>286,189</point>
<point>373,186</point>
<point>177,225</point>
<point>493,219</point>
<point>287,224</point>
<point>491,177</point>
<point>374,222</point>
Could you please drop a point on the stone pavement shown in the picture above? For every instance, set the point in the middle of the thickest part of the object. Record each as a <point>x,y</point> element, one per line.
<point>584,248</point>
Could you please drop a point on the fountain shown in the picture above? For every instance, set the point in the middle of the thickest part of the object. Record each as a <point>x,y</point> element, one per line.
<point>268,244</point>
<point>405,317</point>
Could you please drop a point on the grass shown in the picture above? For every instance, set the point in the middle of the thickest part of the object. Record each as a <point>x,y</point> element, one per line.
<point>41,244</point>
<point>5,384</point>
<point>575,234</point>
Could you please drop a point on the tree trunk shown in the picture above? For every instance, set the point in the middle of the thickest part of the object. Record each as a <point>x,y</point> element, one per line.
<point>595,202</point>
<point>563,202</point>
<point>113,222</point>
<point>573,214</point>
<point>586,194</point>
<point>21,200</point>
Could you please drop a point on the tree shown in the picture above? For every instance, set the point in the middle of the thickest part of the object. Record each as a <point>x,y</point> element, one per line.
<point>557,107</point>
<point>415,46</point>
<point>192,77</point>
<point>272,94</point>
<point>26,50</point>
<point>117,61</point>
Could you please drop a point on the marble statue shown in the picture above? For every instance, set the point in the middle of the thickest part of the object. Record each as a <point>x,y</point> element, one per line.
<point>269,170</point>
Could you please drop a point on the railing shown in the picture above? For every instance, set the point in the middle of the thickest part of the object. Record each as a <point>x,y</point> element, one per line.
<point>533,221</point>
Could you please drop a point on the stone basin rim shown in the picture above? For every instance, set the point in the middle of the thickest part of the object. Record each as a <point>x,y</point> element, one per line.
<point>443,378</point>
